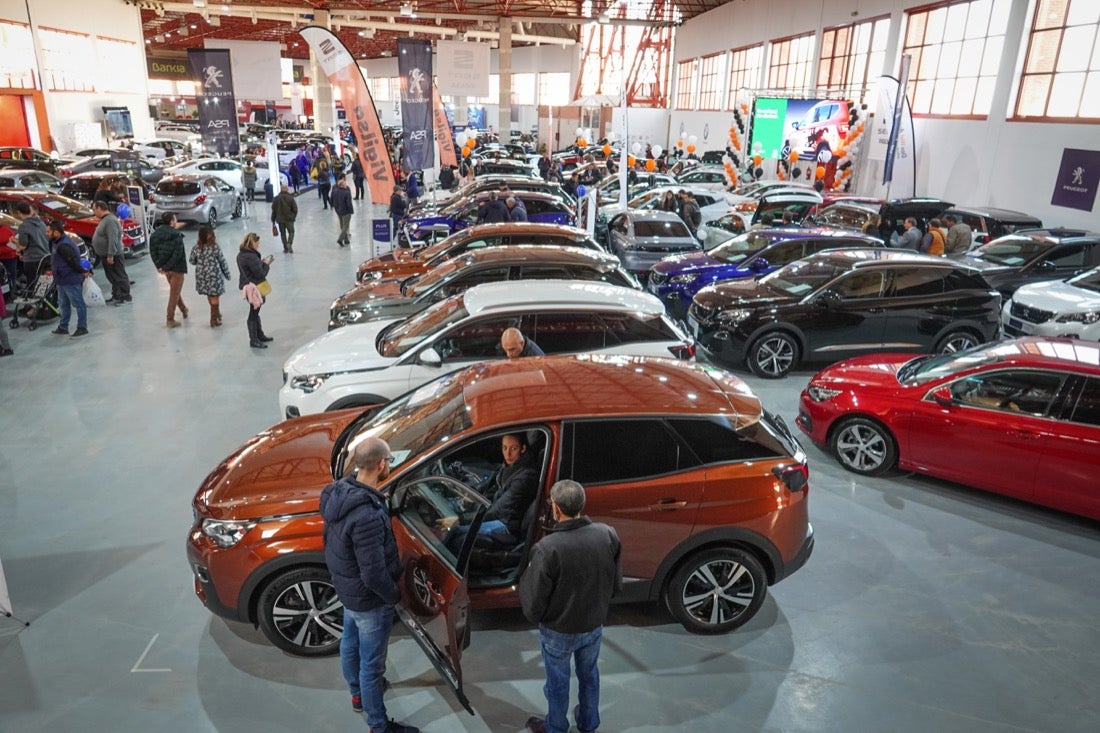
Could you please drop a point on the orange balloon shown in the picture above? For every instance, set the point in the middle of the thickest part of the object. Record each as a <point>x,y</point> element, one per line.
<point>794,156</point>
<point>465,152</point>
<point>820,172</point>
<point>582,143</point>
<point>651,165</point>
<point>631,161</point>
<point>690,149</point>
<point>679,143</point>
<point>607,150</point>
<point>758,159</point>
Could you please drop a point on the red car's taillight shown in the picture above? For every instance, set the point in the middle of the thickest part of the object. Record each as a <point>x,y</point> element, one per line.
<point>683,351</point>
<point>65,172</point>
<point>152,199</point>
<point>796,478</point>
<point>200,199</point>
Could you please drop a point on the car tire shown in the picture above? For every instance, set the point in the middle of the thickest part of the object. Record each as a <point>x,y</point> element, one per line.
<point>773,355</point>
<point>863,446</point>
<point>956,341</point>
<point>286,615</point>
<point>238,210</point>
<point>717,590</point>
<point>212,218</point>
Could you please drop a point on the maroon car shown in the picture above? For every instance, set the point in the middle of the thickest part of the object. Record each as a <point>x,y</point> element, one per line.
<point>78,217</point>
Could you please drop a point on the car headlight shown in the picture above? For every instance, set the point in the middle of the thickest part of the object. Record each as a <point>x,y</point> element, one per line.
<point>226,532</point>
<point>1088,317</point>
<point>349,315</point>
<point>309,383</point>
<point>734,315</point>
<point>821,394</point>
<point>682,279</point>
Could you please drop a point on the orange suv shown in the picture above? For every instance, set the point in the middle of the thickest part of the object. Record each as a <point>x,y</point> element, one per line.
<point>706,489</point>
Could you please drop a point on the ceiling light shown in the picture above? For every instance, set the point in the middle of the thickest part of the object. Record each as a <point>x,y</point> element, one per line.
<point>193,26</point>
<point>168,34</point>
<point>158,38</point>
<point>200,3</point>
<point>408,10</point>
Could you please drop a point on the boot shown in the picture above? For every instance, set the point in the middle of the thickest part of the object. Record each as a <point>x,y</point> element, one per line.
<point>254,336</point>
<point>218,314</point>
<point>213,316</point>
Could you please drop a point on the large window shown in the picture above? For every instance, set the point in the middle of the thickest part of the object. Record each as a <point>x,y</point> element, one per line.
<point>17,61</point>
<point>790,61</point>
<point>1061,77</point>
<point>851,55</point>
<point>120,66</point>
<point>956,49</point>
<point>712,75</point>
<point>554,88</point>
<point>685,84</point>
<point>68,61</point>
<point>523,89</point>
<point>745,66</point>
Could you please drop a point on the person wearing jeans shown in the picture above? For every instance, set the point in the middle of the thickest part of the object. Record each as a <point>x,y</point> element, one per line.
<point>107,243</point>
<point>170,258</point>
<point>68,276</point>
<point>344,208</point>
<point>567,587</point>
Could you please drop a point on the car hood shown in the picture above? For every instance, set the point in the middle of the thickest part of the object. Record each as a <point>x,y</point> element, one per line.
<point>385,288</point>
<point>348,349</point>
<point>695,263</point>
<point>280,471</point>
<point>986,267</point>
<point>877,371</point>
<point>1058,296</point>
<point>749,294</point>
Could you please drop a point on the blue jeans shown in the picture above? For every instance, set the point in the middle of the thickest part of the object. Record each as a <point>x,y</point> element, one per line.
<point>69,296</point>
<point>584,650</point>
<point>363,650</point>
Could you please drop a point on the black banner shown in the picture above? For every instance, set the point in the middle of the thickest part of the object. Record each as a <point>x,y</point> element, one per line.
<point>217,105</point>
<point>414,63</point>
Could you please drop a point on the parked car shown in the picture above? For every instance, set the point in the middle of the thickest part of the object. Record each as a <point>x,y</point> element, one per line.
<point>227,170</point>
<point>676,280</point>
<point>78,217</point>
<point>714,232</point>
<point>541,208</point>
<point>712,204</point>
<point>842,303</point>
<point>92,152</point>
<point>746,204</point>
<point>987,223</point>
<point>608,188</point>
<point>713,157</point>
<point>712,177</point>
<point>29,178</point>
<point>1069,308</point>
<point>376,361</point>
<point>141,167</point>
<point>158,148</point>
<point>505,167</point>
<point>398,298</point>
<point>1019,417</point>
<point>29,158</point>
<point>407,261</point>
<point>853,215</point>
<point>1035,255</point>
<point>640,239</point>
<point>706,489</point>
<point>771,207</point>
<point>196,197</point>
<point>484,184</point>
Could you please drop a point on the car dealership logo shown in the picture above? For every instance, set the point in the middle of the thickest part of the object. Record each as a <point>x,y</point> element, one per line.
<point>213,77</point>
<point>1078,175</point>
<point>218,124</point>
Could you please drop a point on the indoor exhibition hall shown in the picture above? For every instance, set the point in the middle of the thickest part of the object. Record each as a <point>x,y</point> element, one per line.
<point>541,365</point>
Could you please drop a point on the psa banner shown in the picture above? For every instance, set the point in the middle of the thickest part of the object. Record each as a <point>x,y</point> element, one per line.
<point>217,106</point>
<point>344,74</point>
<point>1078,178</point>
<point>414,64</point>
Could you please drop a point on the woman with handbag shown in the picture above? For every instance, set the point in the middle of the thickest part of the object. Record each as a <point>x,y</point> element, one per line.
<point>211,272</point>
<point>253,281</point>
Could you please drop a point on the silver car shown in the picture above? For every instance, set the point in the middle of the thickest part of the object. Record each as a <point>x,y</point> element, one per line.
<point>199,198</point>
<point>641,239</point>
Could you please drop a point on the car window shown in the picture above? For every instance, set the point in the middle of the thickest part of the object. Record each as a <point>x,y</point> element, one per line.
<point>468,280</point>
<point>783,253</point>
<point>563,333</point>
<point>606,451</point>
<point>661,228</point>
<point>429,506</point>
<point>617,276</point>
<point>715,440</point>
<point>1087,409</point>
<point>477,339</point>
<point>859,284</point>
<point>1066,256</point>
<point>628,328</point>
<point>545,272</point>
<point>962,280</point>
<point>912,281</point>
<point>1010,390</point>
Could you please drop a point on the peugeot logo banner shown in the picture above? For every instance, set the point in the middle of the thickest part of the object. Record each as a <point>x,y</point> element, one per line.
<point>217,106</point>
<point>414,64</point>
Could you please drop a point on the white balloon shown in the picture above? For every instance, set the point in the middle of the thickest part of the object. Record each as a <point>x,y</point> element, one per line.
<point>611,136</point>
<point>580,132</point>
<point>636,147</point>
<point>693,139</point>
<point>657,150</point>
<point>461,139</point>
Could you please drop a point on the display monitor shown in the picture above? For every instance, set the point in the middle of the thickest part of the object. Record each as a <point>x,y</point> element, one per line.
<point>814,128</point>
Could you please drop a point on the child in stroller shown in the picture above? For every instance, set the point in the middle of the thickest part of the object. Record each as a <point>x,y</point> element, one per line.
<point>34,298</point>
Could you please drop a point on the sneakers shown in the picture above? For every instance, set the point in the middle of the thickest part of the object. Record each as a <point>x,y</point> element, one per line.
<point>393,726</point>
<point>357,703</point>
<point>79,332</point>
<point>6,352</point>
<point>60,331</point>
<point>536,725</point>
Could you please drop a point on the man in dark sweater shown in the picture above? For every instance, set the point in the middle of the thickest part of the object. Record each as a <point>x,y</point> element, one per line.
<point>361,555</point>
<point>169,256</point>
<point>284,212</point>
<point>344,208</point>
<point>68,276</point>
<point>573,573</point>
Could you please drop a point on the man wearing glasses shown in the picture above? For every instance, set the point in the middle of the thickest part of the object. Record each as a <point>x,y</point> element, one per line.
<point>361,554</point>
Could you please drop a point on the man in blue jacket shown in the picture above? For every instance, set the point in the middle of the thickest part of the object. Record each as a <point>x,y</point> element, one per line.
<point>361,555</point>
<point>68,276</point>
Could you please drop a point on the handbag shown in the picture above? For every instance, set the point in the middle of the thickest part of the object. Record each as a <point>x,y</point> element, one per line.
<point>264,288</point>
<point>274,230</point>
<point>93,296</point>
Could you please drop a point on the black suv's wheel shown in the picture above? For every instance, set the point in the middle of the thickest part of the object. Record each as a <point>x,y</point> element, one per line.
<point>238,209</point>
<point>773,355</point>
<point>212,218</point>
<point>300,613</point>
<point>717,590</point>
<point>864,446</point>
<point>956,341</point>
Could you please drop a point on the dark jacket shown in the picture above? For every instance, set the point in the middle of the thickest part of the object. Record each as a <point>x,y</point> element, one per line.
<point>252,267</point>
<point>32,237</point>
<point>517,212</point>
<point>412,189</point>
<point>496,211</point>
<point>446,177</point>
<point>397,206</point>
<point>341,201</point>
<point>573,573</point>
<point>166,249</point>
<point>65,263</point>
<point>360,550</point>
<point>284,209</point>
<point>511,489</point>
<point>357,170</point>
<point>530,348</point>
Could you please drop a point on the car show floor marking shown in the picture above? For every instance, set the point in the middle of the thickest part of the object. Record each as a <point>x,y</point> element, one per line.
<point>137,664</point>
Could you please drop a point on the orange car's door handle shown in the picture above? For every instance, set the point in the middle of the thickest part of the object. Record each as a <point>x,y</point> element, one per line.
<point>667,505</point>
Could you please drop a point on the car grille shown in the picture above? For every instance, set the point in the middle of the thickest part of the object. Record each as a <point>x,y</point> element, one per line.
<point>664,247</point>
<point>1031,315</point>
<point>1010,330</point>
<point>656,278</point>
<point>701,313</point>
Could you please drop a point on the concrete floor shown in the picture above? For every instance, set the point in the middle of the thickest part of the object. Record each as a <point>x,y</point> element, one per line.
<point>926,606</point>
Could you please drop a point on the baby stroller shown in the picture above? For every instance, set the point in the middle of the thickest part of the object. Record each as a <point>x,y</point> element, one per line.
<point>35,299</point>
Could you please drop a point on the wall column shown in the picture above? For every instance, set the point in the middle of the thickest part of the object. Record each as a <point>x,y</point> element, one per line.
<point>504,69</point>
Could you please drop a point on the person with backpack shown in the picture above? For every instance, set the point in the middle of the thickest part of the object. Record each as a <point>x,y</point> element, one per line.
<point>690,211</point>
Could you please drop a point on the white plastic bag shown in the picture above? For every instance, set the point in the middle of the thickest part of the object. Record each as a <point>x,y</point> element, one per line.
<point>93,296</point>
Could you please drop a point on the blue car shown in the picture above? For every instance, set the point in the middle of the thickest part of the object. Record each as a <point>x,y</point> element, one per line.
<point>675,280</point>
<point>433,225</point>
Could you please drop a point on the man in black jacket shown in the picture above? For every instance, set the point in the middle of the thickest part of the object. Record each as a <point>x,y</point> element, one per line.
<point>344,208</point>
<point>361,554</point>
<point>573,573</point>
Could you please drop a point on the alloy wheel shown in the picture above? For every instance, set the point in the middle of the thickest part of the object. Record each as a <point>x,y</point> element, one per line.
<point>308,614</point>
<point>718,591</point>
<point>773,355</point>
<point>861,447</point>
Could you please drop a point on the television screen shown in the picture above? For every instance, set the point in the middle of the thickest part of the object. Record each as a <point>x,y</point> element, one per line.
<point>119,123</point>
<point>814,128</point>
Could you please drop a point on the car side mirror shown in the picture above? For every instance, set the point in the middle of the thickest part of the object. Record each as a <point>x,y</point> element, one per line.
<point>1046,265</point>
<point>759,264</point>
<point>942,397</point>
<point>829,298</point>
<point>430,357</point>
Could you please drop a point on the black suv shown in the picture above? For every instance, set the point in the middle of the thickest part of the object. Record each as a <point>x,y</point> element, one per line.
<point>844,303</point>
<point>854,214</point>
<point>988,223</point>
<point>1035,256</point>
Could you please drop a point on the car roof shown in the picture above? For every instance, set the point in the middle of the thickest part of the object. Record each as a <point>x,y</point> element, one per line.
<point>568,387</point>
<point>101,174</point>
<point>1005,215</point>
<point>1048,352</point>
<point>706,168</point>
<point>518,227</point>
<point>530,253</point>
<point>877,257</point>
<point>11,171</point>
<point>652,215</point>
<point>1053,235</point>
<point>784,234</point>
<point>186,177</point>
<point>566,294</point>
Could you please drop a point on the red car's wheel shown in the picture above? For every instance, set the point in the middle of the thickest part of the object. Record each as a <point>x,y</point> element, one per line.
<point>864,446</point>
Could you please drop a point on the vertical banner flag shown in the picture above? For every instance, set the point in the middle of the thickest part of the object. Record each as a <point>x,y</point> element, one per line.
<point>344,74</point>
<point>895,129</point>
<point>414,64</point>
<point>5,599</point>
<point>217,105</point>
<point>447,154</point>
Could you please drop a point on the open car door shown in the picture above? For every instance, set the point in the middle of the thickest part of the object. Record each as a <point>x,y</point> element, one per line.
<point>435,521</point>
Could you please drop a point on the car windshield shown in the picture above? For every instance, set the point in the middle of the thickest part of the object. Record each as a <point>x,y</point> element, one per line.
<point>397,339</point>
<point>803,276</point>
<point>661,228</point>
<point>1087,280</point>
<point>177,188</point>
<point>737,248</point>
<point>928,368</point>
<point>417,284</point>
<point>66,207</point>
<point>1012,251</point>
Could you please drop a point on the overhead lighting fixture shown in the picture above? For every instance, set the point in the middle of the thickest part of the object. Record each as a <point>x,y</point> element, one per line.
<point>158,38</point>
<point>408,10</point>
<point>168,34</point>
<point>193,26</point>
<point>200,3</point>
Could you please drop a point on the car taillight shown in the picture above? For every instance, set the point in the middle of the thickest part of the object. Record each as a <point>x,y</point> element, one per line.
<point>200,198</point>
<point>683,351</point>
<point>65,172</point>
<point>796,478</point>
<point>152,199</point>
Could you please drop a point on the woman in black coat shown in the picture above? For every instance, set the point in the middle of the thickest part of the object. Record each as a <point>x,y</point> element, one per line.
<point>253,271</point>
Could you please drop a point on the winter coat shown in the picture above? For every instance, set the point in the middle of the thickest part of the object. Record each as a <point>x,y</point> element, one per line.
<point>360,549</point>
<point>252,268</point>
<point>357,170</point>
<point>496,211</point>
<point>35,243</point>
<point>518,212</point>
<point>959,238</point>
<point>447,178</point>
<point>341,201</point>
<point>65,263</point>
<point>107,239</point>
<point>211,270</point>
<point>512,489</point>
<point>166,249</point>
<point>284,209</point>
<point>398,207</point>
<point>910,239</point>
<point>248,177</point>
<point>412,189</point>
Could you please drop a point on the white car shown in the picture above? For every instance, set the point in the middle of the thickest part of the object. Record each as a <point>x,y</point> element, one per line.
<point>226,169</point>
<point>159,148</point>
<point>1056,308</point>
<point>374,362</point>
<point>712,204</point>
<point>705,176</point>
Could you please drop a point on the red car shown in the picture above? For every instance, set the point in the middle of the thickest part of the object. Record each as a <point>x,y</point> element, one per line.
<point>1019,417</point>
<point>78,218</point>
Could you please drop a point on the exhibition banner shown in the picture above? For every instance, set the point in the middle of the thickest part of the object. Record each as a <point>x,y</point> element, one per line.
<point>217,105</point>
<point>1078,178</point>
<point>900,102</point>
<point>813,128</point>
<point>447,154</point>
<point>344,74</point>
<point>414,64</point>
<point>463,68</point>
<point>5,599</point>
<point>904,173</point>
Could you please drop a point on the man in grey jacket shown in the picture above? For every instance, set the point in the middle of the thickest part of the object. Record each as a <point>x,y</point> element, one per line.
<point>30,240</point>
<point>959,235</point>
<point>107,243</point>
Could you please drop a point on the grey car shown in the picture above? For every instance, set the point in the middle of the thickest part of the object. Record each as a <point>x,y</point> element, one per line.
<point>26,178</point>
<point>202,199</point>
<point>641,239</point>
<point>134,165</point>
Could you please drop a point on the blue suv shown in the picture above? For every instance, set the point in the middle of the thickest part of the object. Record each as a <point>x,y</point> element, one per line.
<point>675,280</point>
<point>541,208</point>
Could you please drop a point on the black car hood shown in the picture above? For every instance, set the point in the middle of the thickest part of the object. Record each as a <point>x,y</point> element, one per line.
<point>750,294</point>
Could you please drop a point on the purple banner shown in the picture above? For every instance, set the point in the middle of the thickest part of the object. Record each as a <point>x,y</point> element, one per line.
<point>414,63</point>
<point>217,105</point>
<point>1078,178</point>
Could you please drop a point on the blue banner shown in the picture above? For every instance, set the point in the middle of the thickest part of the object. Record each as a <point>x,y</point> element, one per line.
<point>1078,179</point>
<point>217,105</point>
<point>414,64</point>
<point>380,230</point>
